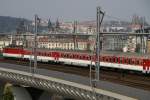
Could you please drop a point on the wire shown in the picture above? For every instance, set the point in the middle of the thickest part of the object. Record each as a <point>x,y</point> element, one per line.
<point>116,18</point>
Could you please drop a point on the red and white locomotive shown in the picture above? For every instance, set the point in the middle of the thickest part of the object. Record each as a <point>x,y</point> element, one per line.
<point>125,61</point>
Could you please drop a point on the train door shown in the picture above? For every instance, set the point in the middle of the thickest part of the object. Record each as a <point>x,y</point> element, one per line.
<point>56,56</point>
<point>146,65</point>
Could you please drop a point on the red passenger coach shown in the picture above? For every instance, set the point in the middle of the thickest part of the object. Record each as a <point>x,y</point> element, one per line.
<point>124,61</point>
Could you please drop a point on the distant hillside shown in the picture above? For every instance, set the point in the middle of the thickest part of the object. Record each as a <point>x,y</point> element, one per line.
<point>10,24</point>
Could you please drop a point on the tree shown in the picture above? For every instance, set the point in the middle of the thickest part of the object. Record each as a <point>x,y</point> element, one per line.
<point>8,94</point>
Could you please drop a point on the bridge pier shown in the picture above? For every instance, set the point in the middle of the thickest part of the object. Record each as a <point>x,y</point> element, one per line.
<point>2,86</point>
<point>29,93</point>
<point>20,93</point>
<point>59,97</point>
<point>38,94</point>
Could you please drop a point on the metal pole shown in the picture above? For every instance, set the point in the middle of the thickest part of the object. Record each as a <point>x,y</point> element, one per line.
<point>100,16</point>
<point>97,63</point>
<point>146,44</point>
<point>35,43</point>
<point>75,36</point>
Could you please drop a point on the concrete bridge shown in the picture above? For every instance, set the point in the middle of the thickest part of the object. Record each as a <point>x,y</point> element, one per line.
<point>69,86</point>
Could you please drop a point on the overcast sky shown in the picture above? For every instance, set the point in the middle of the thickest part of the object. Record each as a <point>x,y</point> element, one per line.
<point>74,9</point>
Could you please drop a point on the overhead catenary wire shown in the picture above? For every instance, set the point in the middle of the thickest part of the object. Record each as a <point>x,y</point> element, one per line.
<point>115,18</point>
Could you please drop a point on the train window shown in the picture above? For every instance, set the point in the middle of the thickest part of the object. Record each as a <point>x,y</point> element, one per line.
<point>62,55</point>
<point>40,53</point>
<point>129,61</point>
<point>126,61</point>
<point>104,58</point>
<point>133,61</point>
<point>123,60</point>
<point>65,55</point>
<point>88,57</point>
<point>75,56</point>
<point>45,54</point>
<point>111,59</point>
<point>137,62</point>
<point>83,57</point>
<point>120,60</point>
<point>107,59</point>
<point>101,58</point>
<point>114,59</point>
<point>49,54</point>
<point>71,56</point>
<point>80,57</point>
<point>140,62</point>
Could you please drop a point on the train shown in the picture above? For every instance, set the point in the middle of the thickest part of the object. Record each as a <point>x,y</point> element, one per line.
<point>109,59</point>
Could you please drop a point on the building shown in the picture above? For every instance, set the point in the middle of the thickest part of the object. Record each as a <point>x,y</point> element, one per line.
<point>62,43</point>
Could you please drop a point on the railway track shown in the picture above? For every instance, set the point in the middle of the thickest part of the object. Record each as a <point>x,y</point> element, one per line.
<point>129,79</point>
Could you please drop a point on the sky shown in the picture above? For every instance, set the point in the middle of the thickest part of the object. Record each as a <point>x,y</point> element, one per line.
<point>75,9</point>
